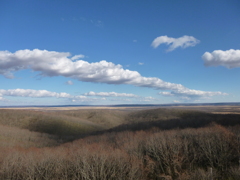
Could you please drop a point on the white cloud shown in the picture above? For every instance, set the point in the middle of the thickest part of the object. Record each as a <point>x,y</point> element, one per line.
<point>100,98</point>
<point>122,97</point>
<point>2,99</point>
<point>52,63</point>
<point>77,98</point>
<point>109,94</point>
<point>183,42</point>
<point>140,63</point>
<point>86,99</point>
<point>190,93</point>
<point>32,93</point>
<point>69,82</point>
<point>229,58</point>
<point>166,93</point>
<point>186,98</point>
<point>136,100</point>
<point>77,57</point>
<point>44,93</point>
<point>148,99</point>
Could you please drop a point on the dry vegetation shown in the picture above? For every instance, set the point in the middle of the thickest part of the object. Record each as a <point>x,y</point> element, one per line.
<point>98,144</point>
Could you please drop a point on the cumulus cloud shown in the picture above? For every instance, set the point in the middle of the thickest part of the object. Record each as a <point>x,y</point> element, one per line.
<point>52,63</point>
<point>229,58</point>
<point>69,82</point>
<point>183,42</point>
<point>109,94</point>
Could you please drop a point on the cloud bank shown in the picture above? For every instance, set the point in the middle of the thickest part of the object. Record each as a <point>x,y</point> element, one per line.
<point>183,42</point>
<point>229,58</point>
<point>101,96</point>
<point>32,93</point>
<point>43,94</point>
<point>52,63</point>
<point>191,93</point>
<point>109,94</point>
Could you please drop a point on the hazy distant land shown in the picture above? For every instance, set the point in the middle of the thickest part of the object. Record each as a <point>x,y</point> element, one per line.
<point>224,108</point>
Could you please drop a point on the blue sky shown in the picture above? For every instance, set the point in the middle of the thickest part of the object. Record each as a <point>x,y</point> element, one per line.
<point>103,52</point>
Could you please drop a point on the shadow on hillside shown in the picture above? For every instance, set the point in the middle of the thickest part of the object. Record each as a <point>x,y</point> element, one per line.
<point>166,119</point>
<point>185,120</point>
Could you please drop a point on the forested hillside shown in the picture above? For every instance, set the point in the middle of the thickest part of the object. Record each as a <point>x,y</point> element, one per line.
<point>151,144</point>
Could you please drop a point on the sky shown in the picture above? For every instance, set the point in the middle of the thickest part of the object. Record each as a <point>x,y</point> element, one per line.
<point>105,52</point>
